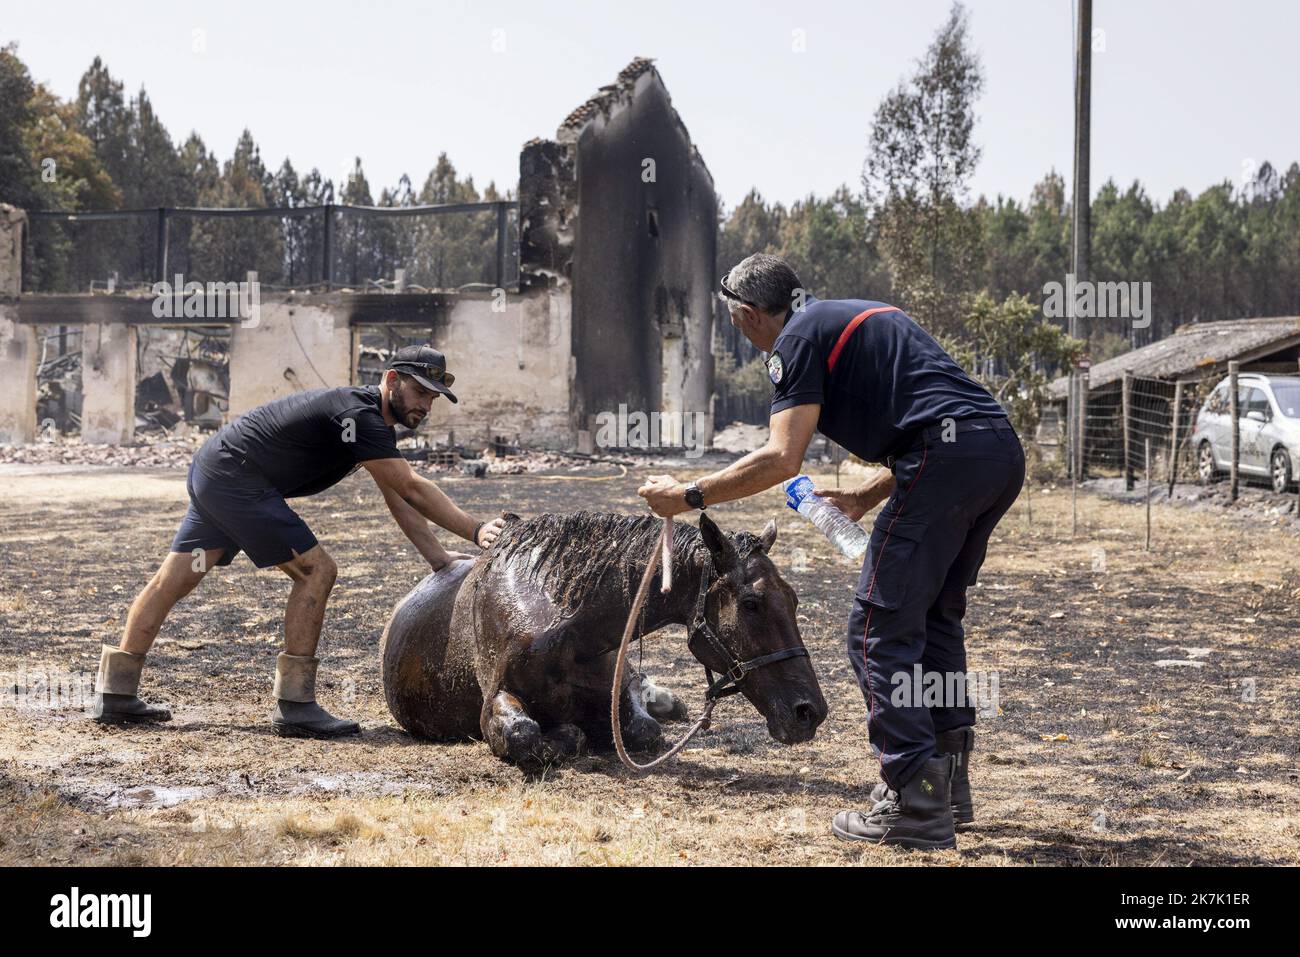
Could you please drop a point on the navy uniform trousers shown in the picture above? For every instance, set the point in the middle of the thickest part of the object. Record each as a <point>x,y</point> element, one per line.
<point>927,545</point>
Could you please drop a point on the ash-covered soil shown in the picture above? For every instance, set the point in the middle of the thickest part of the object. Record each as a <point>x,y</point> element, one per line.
<point>1148,700</point>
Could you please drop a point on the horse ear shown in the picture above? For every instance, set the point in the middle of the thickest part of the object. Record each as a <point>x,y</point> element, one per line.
<point>768,537</point>
<point>718,544</point>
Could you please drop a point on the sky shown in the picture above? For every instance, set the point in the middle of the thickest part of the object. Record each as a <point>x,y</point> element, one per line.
<point>777,96</point>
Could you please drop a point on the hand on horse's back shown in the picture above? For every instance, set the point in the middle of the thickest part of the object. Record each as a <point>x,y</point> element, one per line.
<point>452,558</point>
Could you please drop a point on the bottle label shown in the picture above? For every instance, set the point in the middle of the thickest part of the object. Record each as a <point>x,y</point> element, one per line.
<point>798,490</point>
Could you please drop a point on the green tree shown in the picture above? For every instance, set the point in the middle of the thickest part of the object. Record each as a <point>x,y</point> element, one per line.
<point>917,172</point>
<point>72,178</point>
<point>1119,228</point>
<point>752,227</point>
<point>19,177</point>
<point>1012,351</point>
<point>452,249</point>
<point>103,115</point>
<point>224,250</point>
<point>827,242</point>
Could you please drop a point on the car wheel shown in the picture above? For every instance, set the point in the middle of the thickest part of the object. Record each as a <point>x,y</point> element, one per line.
<point>1280,470</point>
<point>1205,467</point>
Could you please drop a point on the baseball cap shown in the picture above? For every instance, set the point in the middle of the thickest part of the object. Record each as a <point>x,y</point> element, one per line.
<point>427,366</point>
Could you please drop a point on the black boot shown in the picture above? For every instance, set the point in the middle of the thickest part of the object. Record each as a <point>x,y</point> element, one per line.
<point>116,687</point>
<point>959,742</point>
<point>296,714</point>
<point>918,816</point>
<point>307,719</point>
<point>126,709</point>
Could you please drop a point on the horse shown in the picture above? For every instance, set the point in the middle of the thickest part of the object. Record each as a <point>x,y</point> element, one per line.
<point>517,647</point>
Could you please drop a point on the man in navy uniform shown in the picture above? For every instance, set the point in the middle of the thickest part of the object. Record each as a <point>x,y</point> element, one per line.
<point>238,483</point>
<point>868,377</point>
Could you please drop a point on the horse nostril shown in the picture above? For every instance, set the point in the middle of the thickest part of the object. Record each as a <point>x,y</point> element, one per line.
<point>805,714</point>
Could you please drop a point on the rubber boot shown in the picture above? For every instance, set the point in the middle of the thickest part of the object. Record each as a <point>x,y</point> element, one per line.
<point>116,687</point>
<point>959,742</point>
<point>296,714</point>
<point>918,816</point>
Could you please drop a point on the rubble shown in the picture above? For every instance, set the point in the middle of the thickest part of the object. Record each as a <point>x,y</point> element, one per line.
<point>1256,502</point>
<point>525,462</point>
<point>167,452</point>
<point>740,437</point>
<point>174,448</point>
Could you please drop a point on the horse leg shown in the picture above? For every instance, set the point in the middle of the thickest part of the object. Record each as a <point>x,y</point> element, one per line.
<point>564,741</point>
<point>512,734</point>
<point>660,703</point>
<point>641,732</point>
<point>591,689</point>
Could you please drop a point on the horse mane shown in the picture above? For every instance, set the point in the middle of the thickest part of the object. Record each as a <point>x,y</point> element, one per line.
<point>573,556</point>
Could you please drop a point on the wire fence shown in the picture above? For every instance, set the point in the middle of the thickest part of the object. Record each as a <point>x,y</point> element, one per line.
<point>1136,422</point>
<point>1137,413</point>
<point>401,248</point>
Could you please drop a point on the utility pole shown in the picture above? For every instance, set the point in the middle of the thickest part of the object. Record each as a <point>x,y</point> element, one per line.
<point>1081,203</point>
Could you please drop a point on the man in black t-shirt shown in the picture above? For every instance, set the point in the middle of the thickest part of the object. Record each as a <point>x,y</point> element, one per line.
<point>868,377</point>
<point>238,484</point>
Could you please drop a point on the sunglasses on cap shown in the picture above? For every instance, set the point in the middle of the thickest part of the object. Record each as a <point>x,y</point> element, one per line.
<point>433,373</point>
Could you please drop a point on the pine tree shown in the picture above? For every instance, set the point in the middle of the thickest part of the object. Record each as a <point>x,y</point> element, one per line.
<point>917,172</point>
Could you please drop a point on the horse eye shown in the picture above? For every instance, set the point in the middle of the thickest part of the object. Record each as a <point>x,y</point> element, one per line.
<point>752,603</point>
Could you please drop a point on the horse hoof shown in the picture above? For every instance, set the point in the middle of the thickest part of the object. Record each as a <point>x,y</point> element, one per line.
<point>565,741</point>
<point>524,746</point>
<point>644,734</point>
<point>661,704</point>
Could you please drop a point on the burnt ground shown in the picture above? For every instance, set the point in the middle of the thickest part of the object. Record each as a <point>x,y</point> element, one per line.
<point>1127,733</point>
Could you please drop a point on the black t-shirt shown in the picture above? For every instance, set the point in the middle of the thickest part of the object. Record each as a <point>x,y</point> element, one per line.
<point>306,442</point>
<point>889,377</point>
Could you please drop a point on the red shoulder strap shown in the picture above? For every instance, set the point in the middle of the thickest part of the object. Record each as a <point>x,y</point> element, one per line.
<point>848,331</point>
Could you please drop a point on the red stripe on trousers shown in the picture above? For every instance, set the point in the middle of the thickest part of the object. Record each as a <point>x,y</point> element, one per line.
<point>871,587</point>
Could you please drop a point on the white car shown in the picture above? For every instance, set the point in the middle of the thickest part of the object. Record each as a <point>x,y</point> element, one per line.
<point>1268,410</point>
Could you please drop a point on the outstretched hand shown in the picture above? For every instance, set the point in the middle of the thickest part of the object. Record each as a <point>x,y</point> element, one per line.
<point>490,532</point>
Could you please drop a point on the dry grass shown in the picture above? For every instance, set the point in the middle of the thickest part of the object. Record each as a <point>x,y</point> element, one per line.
<point>1098,756</point>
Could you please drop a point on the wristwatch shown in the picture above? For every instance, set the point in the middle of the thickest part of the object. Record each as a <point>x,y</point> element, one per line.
<point>694,497</point>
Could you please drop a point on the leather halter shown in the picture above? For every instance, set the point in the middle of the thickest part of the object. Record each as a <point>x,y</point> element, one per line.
<point>729,682</point>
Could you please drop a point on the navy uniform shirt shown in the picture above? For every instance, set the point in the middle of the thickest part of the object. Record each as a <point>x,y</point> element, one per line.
<point>305,442</point>
<point>878,384</point>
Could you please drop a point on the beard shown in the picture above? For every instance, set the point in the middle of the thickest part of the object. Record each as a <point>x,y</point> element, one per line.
<point>411,418</point>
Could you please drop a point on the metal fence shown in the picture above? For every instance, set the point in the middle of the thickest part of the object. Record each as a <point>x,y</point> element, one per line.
<point>417,248</point>
<point>1139,423</point>
<point>1143,415</point>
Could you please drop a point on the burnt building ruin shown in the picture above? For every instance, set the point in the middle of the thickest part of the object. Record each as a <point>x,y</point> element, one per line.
<point>596,292</point>
<point>621,207</point>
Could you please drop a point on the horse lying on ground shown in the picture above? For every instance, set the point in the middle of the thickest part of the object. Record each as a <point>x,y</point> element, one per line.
<point>518,646</point>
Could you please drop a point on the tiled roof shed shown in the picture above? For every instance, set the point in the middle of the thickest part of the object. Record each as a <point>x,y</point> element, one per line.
<point>1197,351</point>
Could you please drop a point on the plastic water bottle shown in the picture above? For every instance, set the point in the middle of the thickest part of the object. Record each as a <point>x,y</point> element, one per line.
<point>844,533</point>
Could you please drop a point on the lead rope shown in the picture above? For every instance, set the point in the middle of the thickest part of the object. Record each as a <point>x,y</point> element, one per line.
<point>663,551</point>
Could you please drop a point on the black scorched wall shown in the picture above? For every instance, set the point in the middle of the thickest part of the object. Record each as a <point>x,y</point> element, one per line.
<point>643,260</point>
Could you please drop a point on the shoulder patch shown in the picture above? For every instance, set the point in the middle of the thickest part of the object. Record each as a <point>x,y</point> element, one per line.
<point>775,368</point>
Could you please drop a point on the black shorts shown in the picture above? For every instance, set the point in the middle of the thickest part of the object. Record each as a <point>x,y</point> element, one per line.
<point>240,511</point>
